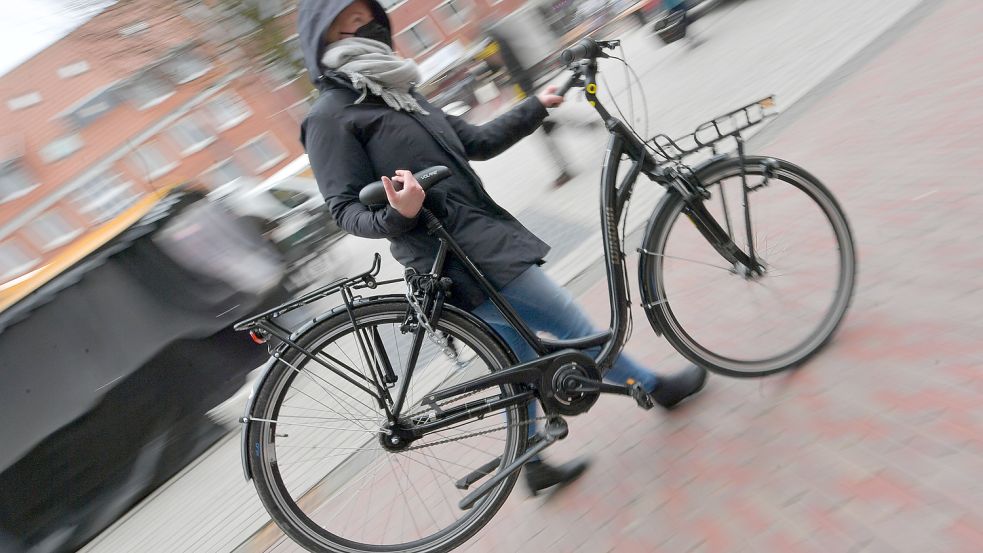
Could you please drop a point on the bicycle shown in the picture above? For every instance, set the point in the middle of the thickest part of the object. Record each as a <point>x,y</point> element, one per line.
<point>398,399</point>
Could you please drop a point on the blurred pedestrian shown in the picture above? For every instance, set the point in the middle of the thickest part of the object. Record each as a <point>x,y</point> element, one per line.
<point>368,122</point>
<point>523,82</point>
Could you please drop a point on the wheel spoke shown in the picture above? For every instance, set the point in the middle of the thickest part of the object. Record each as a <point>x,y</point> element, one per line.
<point>331,464</point>
<point>801,238</point>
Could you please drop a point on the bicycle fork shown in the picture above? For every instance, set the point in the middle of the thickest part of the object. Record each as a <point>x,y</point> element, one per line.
<point>721,240</point>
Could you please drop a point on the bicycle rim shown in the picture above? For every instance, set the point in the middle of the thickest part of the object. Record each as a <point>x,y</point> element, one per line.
<point>328,480</point>
<point>743,326</point>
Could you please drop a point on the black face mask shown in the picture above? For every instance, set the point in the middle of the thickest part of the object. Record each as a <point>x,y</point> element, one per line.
<point>375,31</point>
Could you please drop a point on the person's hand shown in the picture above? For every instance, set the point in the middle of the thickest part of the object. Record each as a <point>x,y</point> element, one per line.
<point>408,200</point>
<point>549,98</point>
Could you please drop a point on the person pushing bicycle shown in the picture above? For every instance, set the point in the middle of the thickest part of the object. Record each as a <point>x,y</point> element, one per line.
<point>369,122</point>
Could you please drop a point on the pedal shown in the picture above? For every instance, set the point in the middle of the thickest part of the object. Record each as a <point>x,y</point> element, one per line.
<point>641,397</point>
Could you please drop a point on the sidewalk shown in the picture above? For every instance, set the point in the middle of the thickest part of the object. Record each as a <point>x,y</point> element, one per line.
<point>877,445</point>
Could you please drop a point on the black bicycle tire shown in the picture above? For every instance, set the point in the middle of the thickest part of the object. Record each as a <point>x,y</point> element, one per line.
<point>668,213</point>
<point>331,323</point>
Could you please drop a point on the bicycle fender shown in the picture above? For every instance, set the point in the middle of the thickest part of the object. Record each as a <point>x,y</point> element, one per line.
<point>247,414</point>
<point>654,221</point>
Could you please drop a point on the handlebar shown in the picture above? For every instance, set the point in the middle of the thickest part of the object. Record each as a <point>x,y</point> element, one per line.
<point>586,48</point>
<point>375,193</point>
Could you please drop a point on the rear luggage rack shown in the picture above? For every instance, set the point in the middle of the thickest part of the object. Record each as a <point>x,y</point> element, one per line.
<point>718,129</point>
<point>344,285</point>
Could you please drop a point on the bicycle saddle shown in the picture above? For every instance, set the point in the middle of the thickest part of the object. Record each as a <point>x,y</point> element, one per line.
<point>375,193</point>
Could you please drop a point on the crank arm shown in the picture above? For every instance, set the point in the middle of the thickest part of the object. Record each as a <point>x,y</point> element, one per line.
<point>586,385</point>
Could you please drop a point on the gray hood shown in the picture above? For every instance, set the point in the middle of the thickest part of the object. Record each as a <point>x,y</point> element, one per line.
<point>313,19</point>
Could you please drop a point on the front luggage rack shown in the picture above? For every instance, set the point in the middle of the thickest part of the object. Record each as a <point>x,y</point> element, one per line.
<point>710,134</point>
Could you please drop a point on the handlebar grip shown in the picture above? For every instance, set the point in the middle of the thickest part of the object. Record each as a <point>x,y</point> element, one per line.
<point>375,193</point>
<point>586,48</point>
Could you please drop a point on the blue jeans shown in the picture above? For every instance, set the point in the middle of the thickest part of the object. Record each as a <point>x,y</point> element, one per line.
<point>547,307</point>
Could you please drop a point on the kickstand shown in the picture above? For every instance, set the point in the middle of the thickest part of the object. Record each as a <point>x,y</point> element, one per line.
<point>556,429</point>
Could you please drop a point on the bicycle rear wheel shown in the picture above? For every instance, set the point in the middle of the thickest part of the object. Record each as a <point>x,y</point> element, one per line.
<point>318,457</point>
<point>744,325</point>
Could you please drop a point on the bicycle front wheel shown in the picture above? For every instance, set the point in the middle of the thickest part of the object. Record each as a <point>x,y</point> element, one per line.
<point>739,324</point>
<point>318,451</point>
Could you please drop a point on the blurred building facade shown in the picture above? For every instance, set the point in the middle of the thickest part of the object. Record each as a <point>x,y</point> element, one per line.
<point>148,95</point>
<point>422,27</point>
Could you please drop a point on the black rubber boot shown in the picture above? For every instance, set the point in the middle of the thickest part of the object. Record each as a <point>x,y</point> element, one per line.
<point>540,475</point>
<point>674,389</point>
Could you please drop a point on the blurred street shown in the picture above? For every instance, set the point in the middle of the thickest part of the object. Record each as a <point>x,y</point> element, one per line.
<point>877,444</point>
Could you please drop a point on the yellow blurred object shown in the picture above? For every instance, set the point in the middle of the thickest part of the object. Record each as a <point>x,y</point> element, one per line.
<point>17,289</point>
<point>519,93</point>
<point>488,51</point>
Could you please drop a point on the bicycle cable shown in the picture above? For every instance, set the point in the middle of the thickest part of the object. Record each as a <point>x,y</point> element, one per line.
<point>631,127</point>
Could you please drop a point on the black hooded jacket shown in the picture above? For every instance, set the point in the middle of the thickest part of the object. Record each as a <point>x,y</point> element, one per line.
<point>351,145</point>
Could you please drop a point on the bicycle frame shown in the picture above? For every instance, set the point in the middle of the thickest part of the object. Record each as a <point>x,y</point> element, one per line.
<point>614,196</point>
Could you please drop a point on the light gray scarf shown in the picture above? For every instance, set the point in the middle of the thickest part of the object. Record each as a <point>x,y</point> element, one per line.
<point>373,67</point>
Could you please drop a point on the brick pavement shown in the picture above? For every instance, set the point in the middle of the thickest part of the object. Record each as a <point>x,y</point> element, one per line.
<point>877,445</point>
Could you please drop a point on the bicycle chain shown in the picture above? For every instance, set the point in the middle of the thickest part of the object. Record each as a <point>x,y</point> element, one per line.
<point>473,434</point>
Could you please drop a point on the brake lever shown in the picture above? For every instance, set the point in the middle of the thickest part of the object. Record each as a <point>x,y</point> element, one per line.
<point>609,44</point>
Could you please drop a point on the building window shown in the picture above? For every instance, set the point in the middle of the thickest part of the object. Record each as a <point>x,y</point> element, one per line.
<point>228,110</point>
<point>454,13</point>
<point>24,101</point>
<point>14,183</point>
<point>92,107</point>
<point>186,67</point>
<point>14,261</point>
<point>73,70</point>
<point>52,230</point>
<point>418,38</point>
<point>223,173</point>
<point>268,9</point>
<point>265,152</point>
<point>299,110</point>
<point>191,135</point>
<point>281,74</point>
<point>149,90</point>
<point>104,197</point>
<point>150,161</point>
<point>61,148</point>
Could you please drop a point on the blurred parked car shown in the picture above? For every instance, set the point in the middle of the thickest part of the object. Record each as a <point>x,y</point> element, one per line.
<point>670,18</point>
<point>291,213</point>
